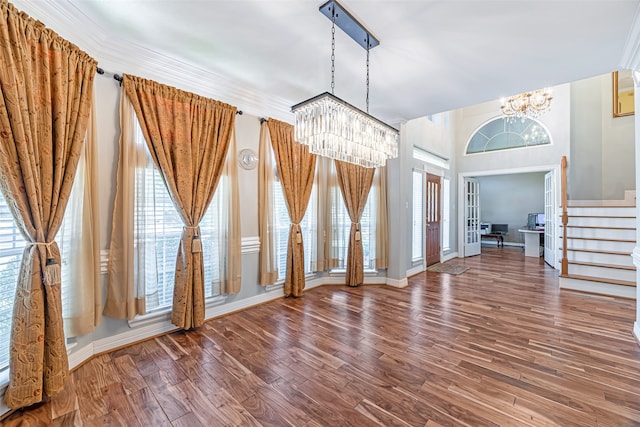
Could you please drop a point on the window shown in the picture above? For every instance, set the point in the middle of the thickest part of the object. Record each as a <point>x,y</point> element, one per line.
<point>418,217</point>
<point>282,223</point>
<point>341,227</point>
<point>11,246</point>
<point>446,213</point>
<point>157,232</point>
<point>504,133</point>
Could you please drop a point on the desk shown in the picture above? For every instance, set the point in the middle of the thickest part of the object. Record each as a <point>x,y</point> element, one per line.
<point>498,236</point>
<point>531,241</point>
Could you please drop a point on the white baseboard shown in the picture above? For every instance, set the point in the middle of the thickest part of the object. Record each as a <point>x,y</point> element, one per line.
<point>636,330</point>
<point>79,356</point>
<point>397,283</point>
<point>132,336</point>
<point>495,244</point>
<point>519,245</point>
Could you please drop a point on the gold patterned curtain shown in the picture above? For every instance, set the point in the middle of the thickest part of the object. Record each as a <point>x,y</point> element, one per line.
<point>355,182</point>
<point>188,137</point>
<point>47,87</point>
<point>296,169</point>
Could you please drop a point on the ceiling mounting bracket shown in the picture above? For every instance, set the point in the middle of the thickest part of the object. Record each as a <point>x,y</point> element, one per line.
<point>350,25</point>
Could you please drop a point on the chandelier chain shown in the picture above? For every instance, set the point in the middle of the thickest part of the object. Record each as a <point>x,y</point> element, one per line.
<point>335,129</point>
<point>333,51</point>
<point>367,76</point>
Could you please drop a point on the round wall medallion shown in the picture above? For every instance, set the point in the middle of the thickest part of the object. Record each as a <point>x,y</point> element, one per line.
<point>248,159</point>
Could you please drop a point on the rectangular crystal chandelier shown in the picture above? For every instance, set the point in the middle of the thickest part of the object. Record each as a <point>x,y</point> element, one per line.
<point>336,129</point>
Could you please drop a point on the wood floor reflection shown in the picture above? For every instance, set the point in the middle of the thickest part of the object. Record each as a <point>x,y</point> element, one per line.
<point>496,345</point>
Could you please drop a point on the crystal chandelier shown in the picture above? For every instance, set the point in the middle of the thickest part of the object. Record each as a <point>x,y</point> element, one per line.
<point>528,105</point>
<point>336,129</point>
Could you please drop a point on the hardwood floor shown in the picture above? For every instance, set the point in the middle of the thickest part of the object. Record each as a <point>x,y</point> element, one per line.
<point>496,345</point>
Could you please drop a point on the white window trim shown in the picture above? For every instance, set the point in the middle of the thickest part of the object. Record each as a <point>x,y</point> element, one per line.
<point>336,272</point>
<point>430,158</point>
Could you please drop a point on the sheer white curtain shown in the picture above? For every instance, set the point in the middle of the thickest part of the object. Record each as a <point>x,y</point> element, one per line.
<point>78,240</point>
<point>157,230</point>
<point>221,237</point>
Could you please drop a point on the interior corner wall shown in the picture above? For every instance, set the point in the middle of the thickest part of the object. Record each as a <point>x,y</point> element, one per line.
<point>398,202</point>
<point>602,163</point>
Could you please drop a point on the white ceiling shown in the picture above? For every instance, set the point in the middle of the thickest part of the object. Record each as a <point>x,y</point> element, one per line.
<point>433,56</point>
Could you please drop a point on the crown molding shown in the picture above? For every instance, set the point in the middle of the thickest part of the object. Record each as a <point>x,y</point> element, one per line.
<point>631,53</point>
<point>117,55</point>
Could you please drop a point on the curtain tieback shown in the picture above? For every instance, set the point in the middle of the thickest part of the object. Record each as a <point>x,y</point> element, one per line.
<point>358,235</point>
<point>47,246</point>
<point>296,226</point>
<point>196,243</point>
<point>51,273</point>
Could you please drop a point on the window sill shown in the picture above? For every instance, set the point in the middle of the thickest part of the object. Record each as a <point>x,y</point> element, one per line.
<point>343,271</point>
<point>4,381</point>
<point>280,283</point>
<point>165,313</point>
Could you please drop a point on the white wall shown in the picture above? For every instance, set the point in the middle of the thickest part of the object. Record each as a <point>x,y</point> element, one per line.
<point>602,164</point>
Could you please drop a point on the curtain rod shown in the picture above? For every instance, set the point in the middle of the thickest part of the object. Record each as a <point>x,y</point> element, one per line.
<point>118,77</point>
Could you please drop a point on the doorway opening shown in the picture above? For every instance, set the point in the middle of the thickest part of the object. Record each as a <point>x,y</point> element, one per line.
<point>505,200</point>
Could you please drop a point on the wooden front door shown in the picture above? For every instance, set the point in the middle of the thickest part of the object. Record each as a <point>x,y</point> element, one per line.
<point>433,219</point>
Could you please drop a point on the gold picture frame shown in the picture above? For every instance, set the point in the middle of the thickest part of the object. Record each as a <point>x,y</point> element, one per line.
<point>623,102</point>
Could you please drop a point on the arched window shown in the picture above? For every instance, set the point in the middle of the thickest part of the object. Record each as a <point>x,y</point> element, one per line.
<point>504,133</point>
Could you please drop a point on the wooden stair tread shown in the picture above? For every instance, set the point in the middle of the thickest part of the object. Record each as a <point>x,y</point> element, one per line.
<point>601,239</point>
<point>599,206</point>
<point>593,251</point>
<point>601,216</point>
<point>601,227</point>
<point>599,280</point>
<point>597,264</point>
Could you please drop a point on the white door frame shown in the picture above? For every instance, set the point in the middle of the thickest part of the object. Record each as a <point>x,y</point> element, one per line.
<point>542,168</point>
<point>472,244</point>
<point>551,218</point>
